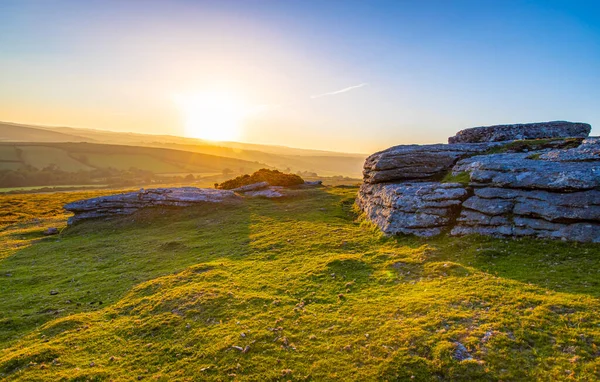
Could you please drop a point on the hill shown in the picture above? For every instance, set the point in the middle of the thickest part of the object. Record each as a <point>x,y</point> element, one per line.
<point>324,163</point>
<point>298,289</point>
<point>86,156</point>
<point>12,132</point>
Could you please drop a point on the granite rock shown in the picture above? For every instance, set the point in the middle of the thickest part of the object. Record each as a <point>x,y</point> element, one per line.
<point>539,130</point>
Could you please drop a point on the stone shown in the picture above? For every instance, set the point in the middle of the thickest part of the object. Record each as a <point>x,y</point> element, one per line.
<point>499,212</point>
<point>414,162</point>
<point>51,231</point>
<point>518,170</point>
<point>128,203</point>
<point>545,189</point>
<point>589,150</point>
<point>272,192</point>
<point>251,187</point>
<point>539,130</point>
<point>423,209</point>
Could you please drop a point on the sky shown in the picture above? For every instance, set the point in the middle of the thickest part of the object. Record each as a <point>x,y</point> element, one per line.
<point>342,75</point>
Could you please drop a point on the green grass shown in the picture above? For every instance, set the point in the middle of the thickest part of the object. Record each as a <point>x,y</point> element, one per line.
<point>43,156</point>
<point>535,144</point>
<point>126,161</point>
<point>296,289</point>
<point>461,177</point>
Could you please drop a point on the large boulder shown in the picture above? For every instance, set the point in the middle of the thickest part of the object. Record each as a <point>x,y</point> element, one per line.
<point>128,203</point>
<point>589,150</point>
<point>422,209</point>
<point>505,212</point>
<point>524,171</point>
<point>538,180</point>
<point>413,162</point>
<point>539,130</point>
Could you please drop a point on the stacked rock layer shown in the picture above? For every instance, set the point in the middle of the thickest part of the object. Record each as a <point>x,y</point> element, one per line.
<point>548,187</point>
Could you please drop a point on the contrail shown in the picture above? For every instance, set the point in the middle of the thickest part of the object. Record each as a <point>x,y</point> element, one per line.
<point>339,91</point>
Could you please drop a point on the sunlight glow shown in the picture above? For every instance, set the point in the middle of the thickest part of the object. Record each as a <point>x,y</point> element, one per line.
<point>215,116</point>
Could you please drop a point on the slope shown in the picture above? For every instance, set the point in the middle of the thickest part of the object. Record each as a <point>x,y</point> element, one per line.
<point>289,290</point>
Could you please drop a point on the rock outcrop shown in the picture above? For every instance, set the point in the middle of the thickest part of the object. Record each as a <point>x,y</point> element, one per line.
<point>417,162</point>
<point>540,130</point>
<point>125,204</point>
<point>538,191</point>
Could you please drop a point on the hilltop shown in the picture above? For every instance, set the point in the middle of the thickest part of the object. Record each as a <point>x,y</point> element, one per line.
<point>295,289</point>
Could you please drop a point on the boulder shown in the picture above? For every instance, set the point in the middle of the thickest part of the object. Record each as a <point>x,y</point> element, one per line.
<point>414,162</point>
<point>423,209</point>
<point>272,192</point>
<point>128,203</point>
<point>589,150</point>
<point>521,171</point>
<point>539,130</point>
<point>529,180</point>
<point>571,216</point>
<point>251,187</point>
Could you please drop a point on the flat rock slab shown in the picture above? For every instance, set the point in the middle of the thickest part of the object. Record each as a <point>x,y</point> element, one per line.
<point>521,171</point>
<point>422,209</point>
<point>539,130</point>
<point>589,150</point>
<point>128,203</point>
<point>415,162</point>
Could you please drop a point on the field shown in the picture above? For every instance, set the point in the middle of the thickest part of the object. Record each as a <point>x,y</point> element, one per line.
<point>296,289</point>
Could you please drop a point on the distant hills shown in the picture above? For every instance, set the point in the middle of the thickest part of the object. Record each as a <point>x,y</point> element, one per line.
<point>43,145</point>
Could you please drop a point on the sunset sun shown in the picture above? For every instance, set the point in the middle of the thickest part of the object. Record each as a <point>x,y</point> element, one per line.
<point>214,116</point>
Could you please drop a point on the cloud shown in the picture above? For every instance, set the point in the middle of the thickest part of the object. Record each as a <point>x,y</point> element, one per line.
<point>339,91</point>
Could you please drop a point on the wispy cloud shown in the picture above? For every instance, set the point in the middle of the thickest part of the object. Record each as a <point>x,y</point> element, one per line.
<point>344,90</point>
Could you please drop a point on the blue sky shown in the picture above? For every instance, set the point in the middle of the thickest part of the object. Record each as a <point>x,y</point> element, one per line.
<point>417,71</point>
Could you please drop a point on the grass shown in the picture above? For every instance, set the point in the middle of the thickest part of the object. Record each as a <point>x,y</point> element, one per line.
<point>461,177</point>
<point>535,144</point>
<point>296,289</point>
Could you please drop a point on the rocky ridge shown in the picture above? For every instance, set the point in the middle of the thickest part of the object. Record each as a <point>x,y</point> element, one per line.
<point>511,188</point>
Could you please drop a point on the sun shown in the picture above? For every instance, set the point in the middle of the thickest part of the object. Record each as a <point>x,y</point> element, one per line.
<point>215,116</point>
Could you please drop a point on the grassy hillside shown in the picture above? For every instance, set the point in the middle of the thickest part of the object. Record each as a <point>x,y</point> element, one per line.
<point>85,156</point>
<point>13,132</point>
<point>322,162</point>
<point>298,289</point>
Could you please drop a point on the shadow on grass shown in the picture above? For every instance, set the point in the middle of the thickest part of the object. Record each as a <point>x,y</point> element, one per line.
<point>550,264</point>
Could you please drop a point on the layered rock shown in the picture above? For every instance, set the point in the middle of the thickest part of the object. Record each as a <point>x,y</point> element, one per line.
<point>422,209</point>
<point>501,212</point>
<point>539,130</point>
<point>125,204</point>
<point>410,162</point>
<point>541,192</point>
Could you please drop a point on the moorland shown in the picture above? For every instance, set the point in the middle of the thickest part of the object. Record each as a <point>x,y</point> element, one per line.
<point>300,288</point>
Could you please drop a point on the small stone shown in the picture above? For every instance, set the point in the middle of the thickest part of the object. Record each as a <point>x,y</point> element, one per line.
<point>53,292</point>
<point>51,231</point>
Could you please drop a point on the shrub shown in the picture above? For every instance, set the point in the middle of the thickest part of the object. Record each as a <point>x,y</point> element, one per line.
<point>273,177</point>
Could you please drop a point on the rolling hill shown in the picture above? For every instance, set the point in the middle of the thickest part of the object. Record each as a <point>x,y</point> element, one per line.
<point>86,156</point>
<point>322,162</point>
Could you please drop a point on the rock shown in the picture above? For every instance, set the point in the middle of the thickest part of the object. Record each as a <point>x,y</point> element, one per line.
<point>542,189</point>
<point>518,170</point>
<point>251,187</point>
<point>51,231</point>
<point>460,352</point>
<point>270,193</point>
<point>53,292</point>
<point>555,129</point>
<point>125,204</point>
<point>423,209</point>
<point>589,150</point>
<point>499,212</point>
<point>415,162</point>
